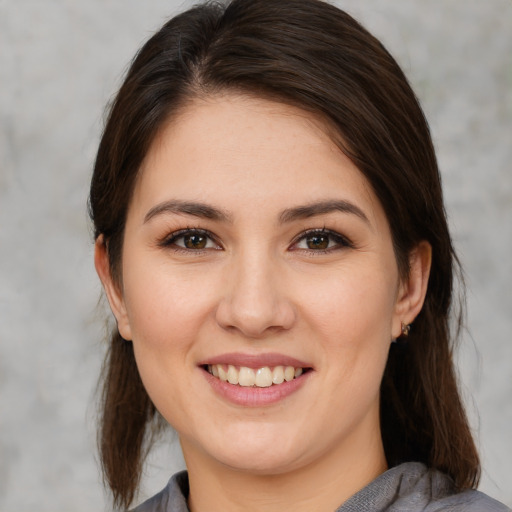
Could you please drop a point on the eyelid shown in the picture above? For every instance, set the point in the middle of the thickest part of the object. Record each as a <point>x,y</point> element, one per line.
<point>341,240</point>
<point>168,241</point>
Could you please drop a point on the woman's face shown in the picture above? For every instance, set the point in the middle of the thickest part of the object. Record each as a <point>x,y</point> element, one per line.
<point>253,245</point>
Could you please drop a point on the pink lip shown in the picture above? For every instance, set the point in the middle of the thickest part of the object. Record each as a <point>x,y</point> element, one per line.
<point>255,361</point>
<point>252,396</point>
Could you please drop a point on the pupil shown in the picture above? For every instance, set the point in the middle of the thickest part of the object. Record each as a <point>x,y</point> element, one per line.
<point>318,242</point>
<point>195,241</point>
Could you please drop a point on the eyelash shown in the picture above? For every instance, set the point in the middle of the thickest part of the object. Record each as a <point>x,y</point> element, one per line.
<point>339,240</point>
<point>170,240</point>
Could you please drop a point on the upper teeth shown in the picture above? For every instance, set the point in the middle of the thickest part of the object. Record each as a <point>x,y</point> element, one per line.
<point>247,377</point>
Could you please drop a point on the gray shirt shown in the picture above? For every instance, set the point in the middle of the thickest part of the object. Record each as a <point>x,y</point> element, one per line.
<point>410,487</point>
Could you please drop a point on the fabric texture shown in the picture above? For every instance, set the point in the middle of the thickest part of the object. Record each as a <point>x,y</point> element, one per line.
<point>410,487</point>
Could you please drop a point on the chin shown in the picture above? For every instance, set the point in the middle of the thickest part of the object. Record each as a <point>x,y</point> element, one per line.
<point>263,464</point>
<point>264,453</point>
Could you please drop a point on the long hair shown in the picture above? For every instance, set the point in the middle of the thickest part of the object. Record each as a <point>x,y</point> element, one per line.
<point>316,57</point>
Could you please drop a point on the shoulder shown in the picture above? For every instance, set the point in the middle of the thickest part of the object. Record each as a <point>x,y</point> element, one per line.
<point>172,498</point>
<point>412,487</point>
<point>468,501</point>
<point>428,490</point>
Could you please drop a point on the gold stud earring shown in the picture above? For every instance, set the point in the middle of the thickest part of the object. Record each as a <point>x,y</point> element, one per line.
<point>406,328</point>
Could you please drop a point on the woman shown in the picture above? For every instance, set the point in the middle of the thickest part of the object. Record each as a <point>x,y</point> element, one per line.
<point>271,236</point>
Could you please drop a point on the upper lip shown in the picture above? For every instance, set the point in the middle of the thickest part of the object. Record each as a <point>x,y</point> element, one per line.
<point>255,361</point>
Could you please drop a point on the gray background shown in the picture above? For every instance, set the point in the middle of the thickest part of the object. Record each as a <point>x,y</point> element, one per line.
<point>60,62</point>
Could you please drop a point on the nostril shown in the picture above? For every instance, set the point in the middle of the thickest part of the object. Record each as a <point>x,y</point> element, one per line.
<point>255,318</point>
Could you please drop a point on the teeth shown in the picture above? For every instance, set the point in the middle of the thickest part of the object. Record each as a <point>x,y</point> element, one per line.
<point>247,377</point>
<point>278,375</point>
<point>264,377</point>
<point>223,374</point>
<point>289,373</point>
<point>232,375</point>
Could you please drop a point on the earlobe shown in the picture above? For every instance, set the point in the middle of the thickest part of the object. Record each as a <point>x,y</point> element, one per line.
<point>412,291</point>
<point>112,289</point>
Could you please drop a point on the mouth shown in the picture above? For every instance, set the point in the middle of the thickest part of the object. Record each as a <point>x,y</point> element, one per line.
<point>263,377</point>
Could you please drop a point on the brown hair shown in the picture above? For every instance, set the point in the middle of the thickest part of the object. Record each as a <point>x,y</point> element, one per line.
<point>312,55</point>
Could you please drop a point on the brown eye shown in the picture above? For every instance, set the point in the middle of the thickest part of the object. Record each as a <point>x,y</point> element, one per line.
<point>191,240</point>
<point>195,241</point>
<point>318,242</point>
<point>321,241</point>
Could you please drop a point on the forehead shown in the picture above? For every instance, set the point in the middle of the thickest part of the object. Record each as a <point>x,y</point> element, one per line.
<point>250,149</point>
<point>228,123</point>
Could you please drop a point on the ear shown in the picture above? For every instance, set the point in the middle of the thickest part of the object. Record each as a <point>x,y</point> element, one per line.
<point>112,289</point>
<point>412,290</point>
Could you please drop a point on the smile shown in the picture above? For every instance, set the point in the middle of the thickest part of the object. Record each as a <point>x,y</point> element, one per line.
<point>249,377</point>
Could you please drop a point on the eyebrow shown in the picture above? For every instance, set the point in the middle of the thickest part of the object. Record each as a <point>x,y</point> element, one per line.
<point>205,211</point>
<point>321,208</point>
<point>188,208</point>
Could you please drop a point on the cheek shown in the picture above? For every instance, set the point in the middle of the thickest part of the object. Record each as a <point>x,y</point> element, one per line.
<point>351,319</point>
<point>167,312</point>
<point>356,303</point>
<point>165,307</point>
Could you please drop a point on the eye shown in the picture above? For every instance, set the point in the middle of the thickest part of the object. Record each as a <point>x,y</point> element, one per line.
<point>191,240</point>
<point>321,240</point>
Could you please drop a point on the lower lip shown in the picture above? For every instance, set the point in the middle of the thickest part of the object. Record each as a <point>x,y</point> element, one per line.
<point>253,396</point>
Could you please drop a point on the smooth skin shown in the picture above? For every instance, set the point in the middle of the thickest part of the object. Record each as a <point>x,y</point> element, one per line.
<point>250,232</point>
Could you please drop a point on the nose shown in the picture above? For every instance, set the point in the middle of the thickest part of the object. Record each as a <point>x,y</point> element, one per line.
<point>254,301</point>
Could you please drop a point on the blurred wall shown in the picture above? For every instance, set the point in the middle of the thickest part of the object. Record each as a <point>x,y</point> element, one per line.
<point>60,62</point>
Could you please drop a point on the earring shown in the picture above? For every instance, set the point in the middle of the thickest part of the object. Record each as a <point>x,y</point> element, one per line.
<point>406,328</point>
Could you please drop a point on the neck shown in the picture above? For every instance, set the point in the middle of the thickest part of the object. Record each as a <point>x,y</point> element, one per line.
<point>322,485</point>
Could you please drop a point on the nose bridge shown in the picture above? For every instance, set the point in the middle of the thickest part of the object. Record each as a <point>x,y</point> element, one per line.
<point>254,302</point>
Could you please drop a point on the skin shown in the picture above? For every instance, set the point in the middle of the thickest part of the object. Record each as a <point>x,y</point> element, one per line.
<point>261,286</point>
